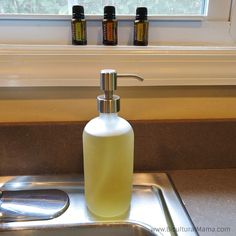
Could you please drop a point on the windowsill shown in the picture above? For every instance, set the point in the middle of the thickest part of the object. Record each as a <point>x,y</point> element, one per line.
<point>66,65</point>
<point>78,48</point>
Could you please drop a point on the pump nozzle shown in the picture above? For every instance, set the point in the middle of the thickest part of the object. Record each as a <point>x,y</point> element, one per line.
<point>131,76</point>
<point>109,103</point>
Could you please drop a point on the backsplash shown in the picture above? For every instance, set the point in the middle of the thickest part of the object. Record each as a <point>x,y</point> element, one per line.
<point>56,148</point>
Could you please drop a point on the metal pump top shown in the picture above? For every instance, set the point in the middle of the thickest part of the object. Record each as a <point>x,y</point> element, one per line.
<point>108,102</point>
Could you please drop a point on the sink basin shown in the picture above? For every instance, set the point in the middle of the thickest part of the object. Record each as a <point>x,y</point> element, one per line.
<point>87,230</point>
<point>155,209</point>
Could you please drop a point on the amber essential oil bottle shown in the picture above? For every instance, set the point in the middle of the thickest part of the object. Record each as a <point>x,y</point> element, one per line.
<point>78,26</point>
<point>141,27</point>
<point>109,26</point>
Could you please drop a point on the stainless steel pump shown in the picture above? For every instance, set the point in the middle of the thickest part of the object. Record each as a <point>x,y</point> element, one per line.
<point>110,103</point>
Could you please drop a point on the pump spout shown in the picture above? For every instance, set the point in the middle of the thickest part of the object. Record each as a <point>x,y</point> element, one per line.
<point>108,79</point>
<point>108,102</point>
<point>131,76</point>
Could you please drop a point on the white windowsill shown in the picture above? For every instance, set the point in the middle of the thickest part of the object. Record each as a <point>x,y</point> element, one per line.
<point>37,66</point>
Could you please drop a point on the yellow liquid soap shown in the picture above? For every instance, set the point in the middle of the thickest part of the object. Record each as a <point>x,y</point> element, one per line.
<point>108,170</point>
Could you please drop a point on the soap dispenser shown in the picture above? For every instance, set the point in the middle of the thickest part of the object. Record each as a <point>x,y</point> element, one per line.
<point>108,149</point>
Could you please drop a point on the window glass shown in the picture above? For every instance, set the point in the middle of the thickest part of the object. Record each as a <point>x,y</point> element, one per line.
<point>95,7</point>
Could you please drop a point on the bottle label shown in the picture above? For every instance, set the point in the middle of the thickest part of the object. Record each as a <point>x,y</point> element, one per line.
<point>141,32</point>
<point>110,31</point>
<point>79,31</point>
<point>79,35</point>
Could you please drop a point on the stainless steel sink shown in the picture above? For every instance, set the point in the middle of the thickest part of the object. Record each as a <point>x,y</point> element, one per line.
<point>88,230</point>
<point>155,210</point>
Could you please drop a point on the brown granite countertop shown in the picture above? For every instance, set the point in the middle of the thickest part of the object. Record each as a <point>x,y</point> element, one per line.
<point>210,199</point>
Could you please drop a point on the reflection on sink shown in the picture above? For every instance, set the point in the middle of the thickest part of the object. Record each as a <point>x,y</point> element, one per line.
<point>87,230</point>
<point>155,210</point>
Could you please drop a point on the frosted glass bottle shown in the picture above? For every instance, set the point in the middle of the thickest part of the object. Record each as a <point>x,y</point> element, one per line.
<point>108,148</point>
<point>108,144</point>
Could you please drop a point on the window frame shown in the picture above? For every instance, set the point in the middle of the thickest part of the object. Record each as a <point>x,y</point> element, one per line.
<point>163,29</point>
<point>27,62</point>
<point>69,66</point>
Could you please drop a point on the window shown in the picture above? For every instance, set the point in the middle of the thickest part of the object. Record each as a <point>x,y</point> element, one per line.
<point>172,22</point>
<point>92,7</point>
